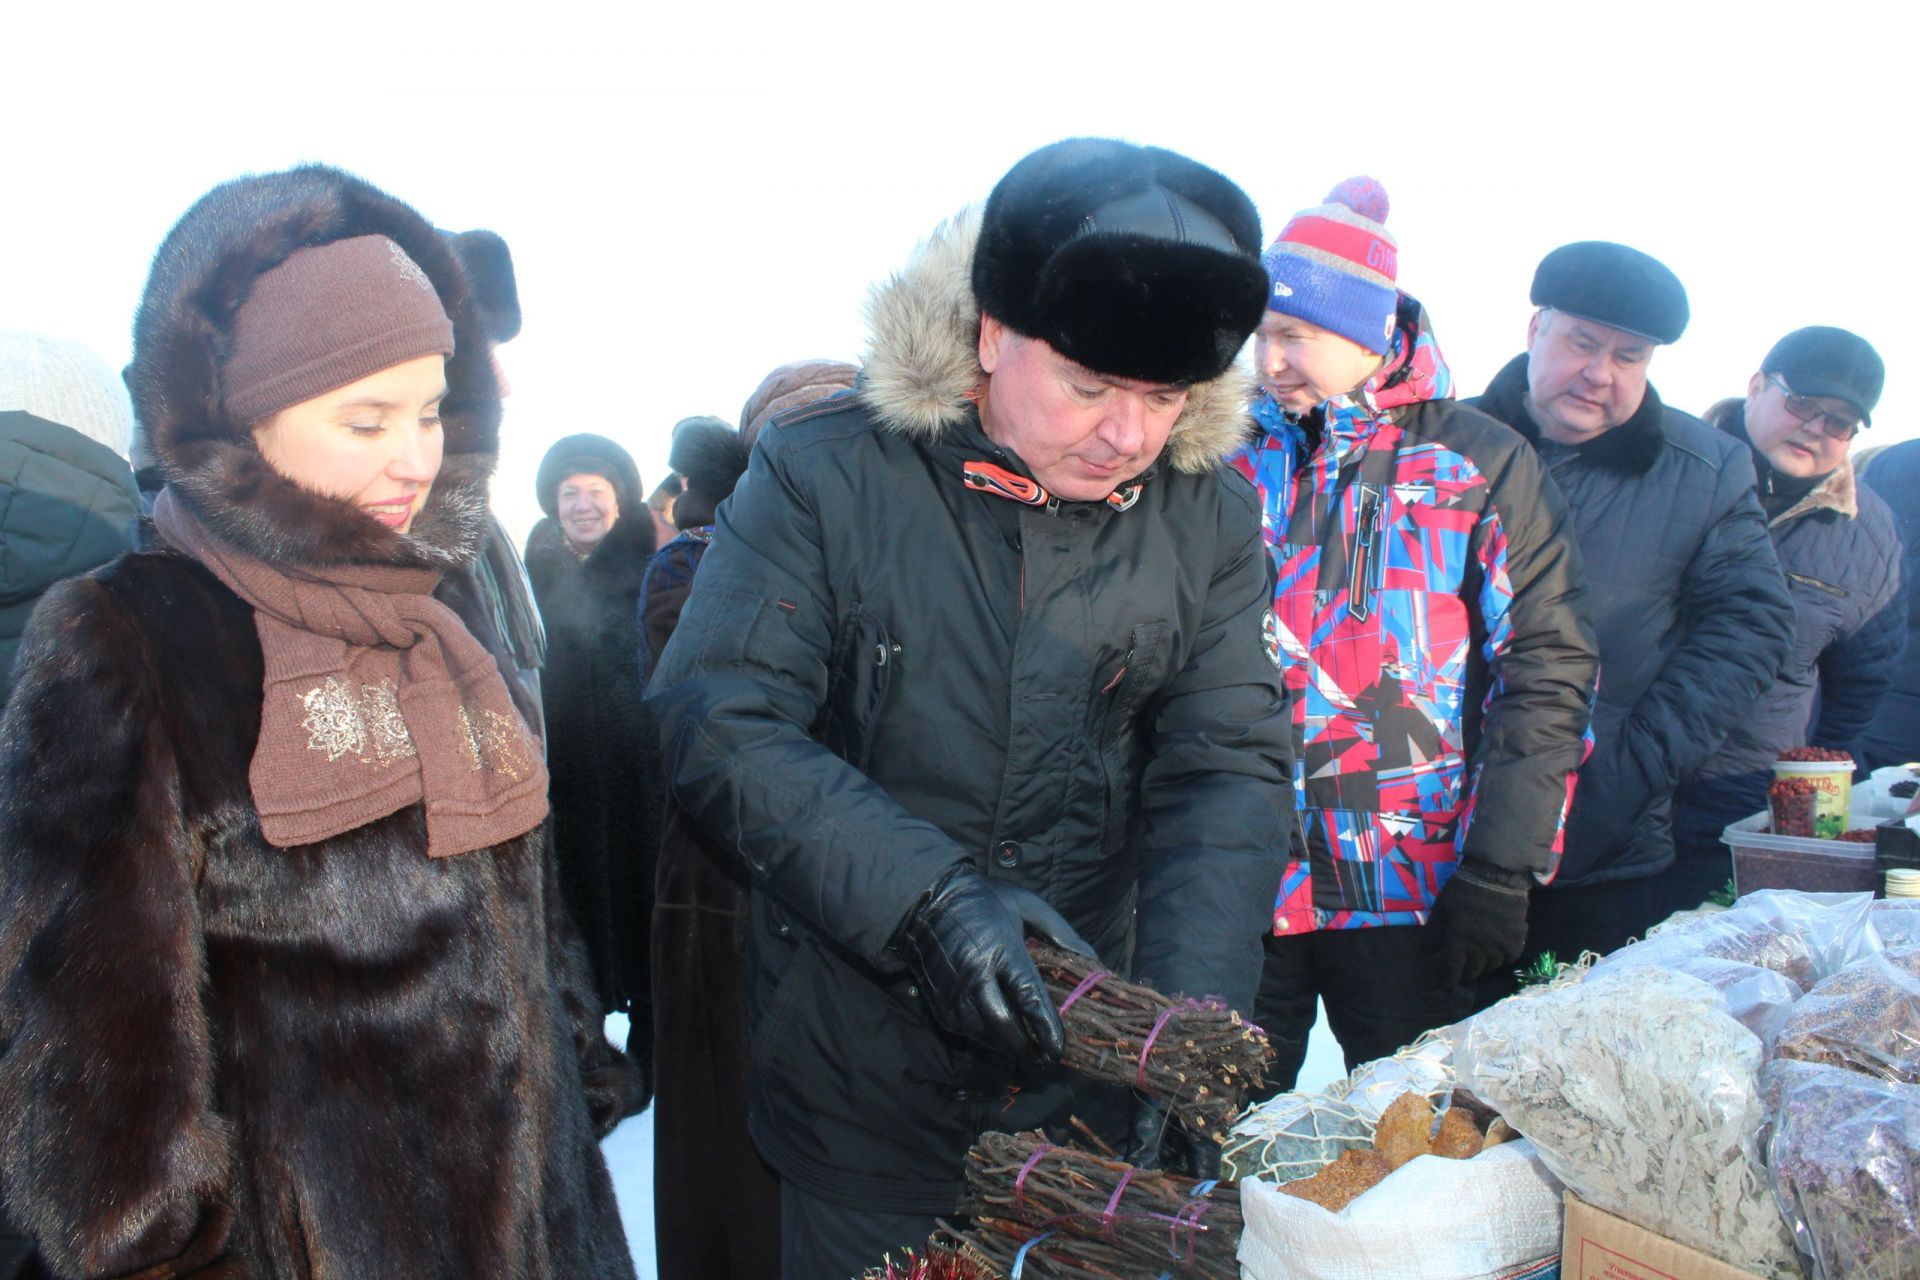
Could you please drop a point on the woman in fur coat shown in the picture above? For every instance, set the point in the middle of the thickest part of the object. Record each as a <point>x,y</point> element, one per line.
<point>586,561</point>
<point>286,992</point>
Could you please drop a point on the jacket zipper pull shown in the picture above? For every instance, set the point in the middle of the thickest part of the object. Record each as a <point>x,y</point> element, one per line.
<point>1114,682</point>
<point>1363,569</point>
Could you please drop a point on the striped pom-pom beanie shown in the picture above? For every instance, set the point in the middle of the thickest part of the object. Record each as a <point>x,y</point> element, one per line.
<point>1335,266</point>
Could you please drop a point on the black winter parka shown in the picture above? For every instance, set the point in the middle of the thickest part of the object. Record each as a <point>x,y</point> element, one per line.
<point>1688,604</point>
<point>885,673</point>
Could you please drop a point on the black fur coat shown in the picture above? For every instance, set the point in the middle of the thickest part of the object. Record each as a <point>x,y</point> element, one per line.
<point>220,1059</point>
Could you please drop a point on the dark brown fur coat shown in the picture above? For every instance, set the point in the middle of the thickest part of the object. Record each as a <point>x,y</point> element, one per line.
<point>220,1059</point>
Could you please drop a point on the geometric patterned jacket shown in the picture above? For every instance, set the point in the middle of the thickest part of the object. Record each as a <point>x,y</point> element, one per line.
<point>1429,603</point>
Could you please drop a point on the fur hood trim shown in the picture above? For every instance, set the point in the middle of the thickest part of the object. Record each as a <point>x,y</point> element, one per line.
<point>202,273</point>
<point>1836,493</point>
<point>922,366</point>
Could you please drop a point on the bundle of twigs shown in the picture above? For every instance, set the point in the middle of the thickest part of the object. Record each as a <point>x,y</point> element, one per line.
<point>942,1259</point>
<point>1198,1055</point>
<point>1001,1247</point>
<point>1080,1216</point>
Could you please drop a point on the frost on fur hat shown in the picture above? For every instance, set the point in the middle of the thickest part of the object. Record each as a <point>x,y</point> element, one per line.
<point>1134,261</point>
<point>64,382</point>
<point>1335,265</point>
<point>328,315</point>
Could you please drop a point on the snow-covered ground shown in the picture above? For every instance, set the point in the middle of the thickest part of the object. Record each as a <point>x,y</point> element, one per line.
<point>629,1148</point>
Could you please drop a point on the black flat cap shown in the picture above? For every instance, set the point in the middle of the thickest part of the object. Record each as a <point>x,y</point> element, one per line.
<point>1613,285</point>
<point>1133,261</point>
<point>1821,360</point>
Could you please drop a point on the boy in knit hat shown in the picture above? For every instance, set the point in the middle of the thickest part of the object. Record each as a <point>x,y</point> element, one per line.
<point>1428,606</point>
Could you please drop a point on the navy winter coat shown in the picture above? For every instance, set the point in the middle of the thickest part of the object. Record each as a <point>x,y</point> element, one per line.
<point>1893,735</point>
<point>1688,604</point>
<point>67,505</point>
<point>889,670</point>
<point>1841,556</point>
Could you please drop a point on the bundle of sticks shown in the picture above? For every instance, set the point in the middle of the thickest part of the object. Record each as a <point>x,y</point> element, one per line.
<point>1057,1213</point>
<point>1198,1055</point>
<point>942,1259</point>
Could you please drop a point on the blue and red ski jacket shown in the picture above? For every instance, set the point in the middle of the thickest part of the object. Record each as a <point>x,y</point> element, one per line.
<point>1440,661</point>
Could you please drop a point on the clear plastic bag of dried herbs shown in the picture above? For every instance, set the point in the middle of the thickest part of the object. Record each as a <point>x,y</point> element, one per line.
<point>1865,1017</point>
<point>1844,1161</point>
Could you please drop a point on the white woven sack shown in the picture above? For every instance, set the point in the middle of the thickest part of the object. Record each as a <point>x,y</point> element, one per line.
<point>1432,1219</point>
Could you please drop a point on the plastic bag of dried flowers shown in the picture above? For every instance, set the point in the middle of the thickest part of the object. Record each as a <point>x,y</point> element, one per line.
<point>1801,936</point>
<point>1844,1158</point>
<point>1865,1018</point>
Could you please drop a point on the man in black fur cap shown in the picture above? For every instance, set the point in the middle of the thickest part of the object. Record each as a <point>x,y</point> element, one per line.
<point>1689,606</point>
<point>978,652</point>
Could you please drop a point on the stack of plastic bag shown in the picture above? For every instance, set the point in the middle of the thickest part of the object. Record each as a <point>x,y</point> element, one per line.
<point>1641,1093</point>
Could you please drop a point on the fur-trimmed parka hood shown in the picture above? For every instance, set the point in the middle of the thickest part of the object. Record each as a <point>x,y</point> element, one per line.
<point>922,367</point>
<point>202,273</point>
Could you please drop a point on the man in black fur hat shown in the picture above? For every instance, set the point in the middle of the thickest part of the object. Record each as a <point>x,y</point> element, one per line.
<point>978,653</point>
<point>1689,606</point>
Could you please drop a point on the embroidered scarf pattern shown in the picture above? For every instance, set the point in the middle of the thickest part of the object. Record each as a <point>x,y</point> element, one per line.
<point>376,697</point>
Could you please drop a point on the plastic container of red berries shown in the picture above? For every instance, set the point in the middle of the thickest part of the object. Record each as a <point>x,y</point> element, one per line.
<point>1766,859</point>
<point>1812,792</point>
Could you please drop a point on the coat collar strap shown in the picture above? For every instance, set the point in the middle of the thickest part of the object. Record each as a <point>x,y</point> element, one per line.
<point>987,477</point>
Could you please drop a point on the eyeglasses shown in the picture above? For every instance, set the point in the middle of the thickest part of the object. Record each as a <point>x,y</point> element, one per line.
<point>1804,409</point>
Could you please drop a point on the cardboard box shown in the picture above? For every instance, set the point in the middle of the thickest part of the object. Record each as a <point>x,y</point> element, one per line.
<point>1599,1246</point>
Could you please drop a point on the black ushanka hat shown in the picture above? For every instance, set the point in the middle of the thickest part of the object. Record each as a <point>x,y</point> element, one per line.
<point>1133,261</point>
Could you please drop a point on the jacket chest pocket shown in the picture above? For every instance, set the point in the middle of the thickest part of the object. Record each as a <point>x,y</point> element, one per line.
<point>861,673</point>
<point>1815,584</point>
<point>1119,700</point>
<point>1822,611</point>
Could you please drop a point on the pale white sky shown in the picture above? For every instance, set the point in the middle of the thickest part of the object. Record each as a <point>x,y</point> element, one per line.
<point>693,198</point>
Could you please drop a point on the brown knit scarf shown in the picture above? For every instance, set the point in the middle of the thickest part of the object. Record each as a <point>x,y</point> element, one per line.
<point>377,696</point>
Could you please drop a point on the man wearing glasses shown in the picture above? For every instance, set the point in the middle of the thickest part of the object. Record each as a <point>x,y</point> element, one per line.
<point>1837,543</point>
<point>1687,599</point>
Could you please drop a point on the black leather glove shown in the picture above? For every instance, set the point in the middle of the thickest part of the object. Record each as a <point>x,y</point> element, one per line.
<point>1159,1142</point>
<point>967,944</point>
<point>1479,921</point>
